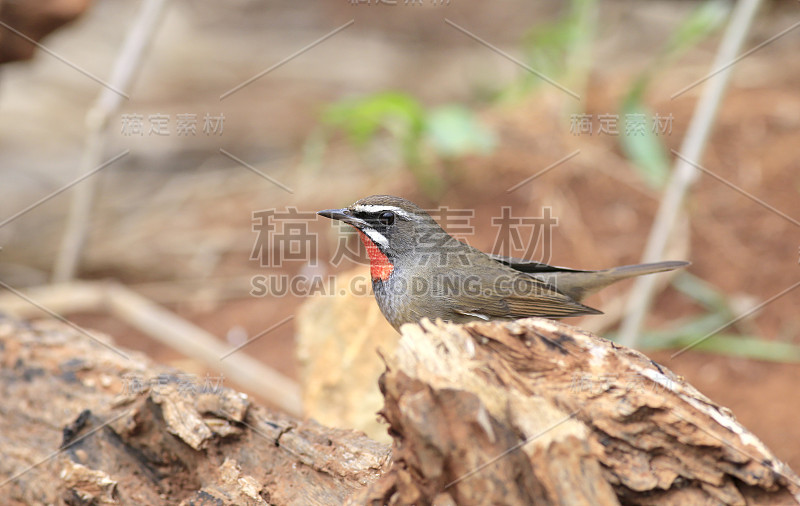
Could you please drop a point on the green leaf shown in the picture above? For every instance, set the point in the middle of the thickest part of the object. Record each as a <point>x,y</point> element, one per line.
<point>448,132</point>
<point>643,147</point>
<point>558,48</point>
<point>455,131</point>
<point>733,345</point>
<point>699,24</point>
<point>362,118</point>
<point>646,151</point>
<point>703,292</point>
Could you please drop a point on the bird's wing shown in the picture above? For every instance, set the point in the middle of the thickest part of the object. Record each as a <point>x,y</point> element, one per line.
<point>530,266</point>
<point>557,305</point>
<point>522,297</point>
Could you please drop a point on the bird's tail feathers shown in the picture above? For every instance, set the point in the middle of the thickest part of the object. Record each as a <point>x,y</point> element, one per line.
<point>580,284</point>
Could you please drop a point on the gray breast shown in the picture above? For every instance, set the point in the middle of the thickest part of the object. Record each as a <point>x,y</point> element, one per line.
<point>401,301</point>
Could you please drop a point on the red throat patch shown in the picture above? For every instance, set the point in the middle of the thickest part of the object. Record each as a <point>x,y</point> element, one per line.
<point>379,265</point>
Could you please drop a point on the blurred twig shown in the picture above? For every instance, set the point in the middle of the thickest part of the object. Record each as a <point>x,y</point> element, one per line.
<point>192,341</point>
<point>684,174</point>
<point>164,326</point>
<point>127,63</point>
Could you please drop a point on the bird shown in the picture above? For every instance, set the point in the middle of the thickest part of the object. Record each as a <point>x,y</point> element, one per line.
<point>420,271</point>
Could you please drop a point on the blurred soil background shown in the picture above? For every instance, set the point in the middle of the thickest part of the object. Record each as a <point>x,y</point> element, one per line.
<point>174,218</point>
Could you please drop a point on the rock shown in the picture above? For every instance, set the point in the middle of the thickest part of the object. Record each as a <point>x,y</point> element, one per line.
<point>337,344</point>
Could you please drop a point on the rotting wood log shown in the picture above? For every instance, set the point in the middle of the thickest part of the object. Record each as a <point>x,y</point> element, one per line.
<point>81,424</point>
<point>533,411</point>
<point>539,412</point>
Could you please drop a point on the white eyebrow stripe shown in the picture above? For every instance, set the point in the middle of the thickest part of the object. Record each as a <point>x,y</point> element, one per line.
<point>376,236</point>
<point>373,208</point>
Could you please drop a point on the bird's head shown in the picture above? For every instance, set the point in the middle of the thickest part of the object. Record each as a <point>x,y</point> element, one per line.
<point>390,228</point>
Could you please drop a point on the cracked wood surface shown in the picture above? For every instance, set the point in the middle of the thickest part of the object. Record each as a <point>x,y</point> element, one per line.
<point>533,411</point>
<point>73,430</point>
<point>537,411</point>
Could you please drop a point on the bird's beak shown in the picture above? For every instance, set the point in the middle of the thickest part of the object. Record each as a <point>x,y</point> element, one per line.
<point>343,215</point>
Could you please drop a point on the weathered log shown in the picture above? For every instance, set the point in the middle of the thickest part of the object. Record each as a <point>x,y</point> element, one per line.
<point>81,424</point>
<point>539,412</point>
<point>533,411</point>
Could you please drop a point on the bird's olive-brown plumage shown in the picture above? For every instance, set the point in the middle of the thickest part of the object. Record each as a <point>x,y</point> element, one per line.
<point>418,271</point>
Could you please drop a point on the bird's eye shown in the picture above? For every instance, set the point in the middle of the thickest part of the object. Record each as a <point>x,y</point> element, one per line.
<point>386,218</point>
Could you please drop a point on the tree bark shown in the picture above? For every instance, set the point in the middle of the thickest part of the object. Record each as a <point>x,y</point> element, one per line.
<point>533,411</point>
<point>539,412</point>
<point>81,424</point>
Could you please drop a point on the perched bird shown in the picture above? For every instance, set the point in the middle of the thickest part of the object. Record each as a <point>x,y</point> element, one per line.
<point>418,270</point>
